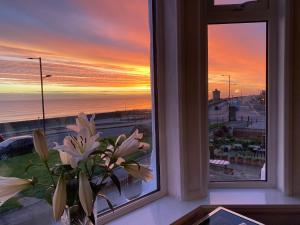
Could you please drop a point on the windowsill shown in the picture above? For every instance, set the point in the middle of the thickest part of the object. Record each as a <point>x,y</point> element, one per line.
<point>167,209</point>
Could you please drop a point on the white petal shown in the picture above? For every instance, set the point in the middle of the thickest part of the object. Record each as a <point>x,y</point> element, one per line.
<point>10,186</point>
<point>120,160</point>
<point>66,149</point>
<point>73,127</point>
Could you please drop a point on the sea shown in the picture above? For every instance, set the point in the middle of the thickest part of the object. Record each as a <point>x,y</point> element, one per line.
<point>12,110</point>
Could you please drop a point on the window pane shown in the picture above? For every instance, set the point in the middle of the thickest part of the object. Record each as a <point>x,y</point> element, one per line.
<point>94,60</point>
<point>230,2</point>
<point>237,101</point>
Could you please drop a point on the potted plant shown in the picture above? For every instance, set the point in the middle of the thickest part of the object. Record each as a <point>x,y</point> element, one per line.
<point>87,163</point>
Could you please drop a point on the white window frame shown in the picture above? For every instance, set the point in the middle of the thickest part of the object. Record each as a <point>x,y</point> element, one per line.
<point>262,11</point>
<point>179,34</point>
<point>158,130</point>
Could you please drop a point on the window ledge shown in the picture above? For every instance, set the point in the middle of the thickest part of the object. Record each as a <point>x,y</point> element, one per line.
<point>167,209</point>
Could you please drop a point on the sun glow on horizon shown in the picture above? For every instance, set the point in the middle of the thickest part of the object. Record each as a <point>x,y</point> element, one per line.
<point>241,54</point>
<point>88,54</point>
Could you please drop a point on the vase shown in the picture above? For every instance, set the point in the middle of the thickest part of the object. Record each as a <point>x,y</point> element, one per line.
<point>75,215</point>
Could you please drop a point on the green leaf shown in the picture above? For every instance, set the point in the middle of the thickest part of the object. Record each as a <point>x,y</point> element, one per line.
<point>116,181</point>
<point>109,141</point>
<point>48,195</point>
<point>132,162</point>
<point>110,205</point>
<point>97,152</point>
<point>30,164</point>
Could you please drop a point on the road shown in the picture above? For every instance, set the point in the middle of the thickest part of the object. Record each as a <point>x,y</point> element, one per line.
<point>106,127</point>
<point>250,112</point>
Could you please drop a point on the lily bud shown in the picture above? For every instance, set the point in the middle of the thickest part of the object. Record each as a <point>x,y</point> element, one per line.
<point>132,144</point>
<point>59,198</point>
<point>40,144</point>
<point>10,186</point>
<point>85,194</point>
<point>120,139</point>
<point>139,171</point>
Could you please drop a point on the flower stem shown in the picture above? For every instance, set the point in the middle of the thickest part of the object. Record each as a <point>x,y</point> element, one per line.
<point>48,169</point>
<point>44,185</point>
<point>87,170</point>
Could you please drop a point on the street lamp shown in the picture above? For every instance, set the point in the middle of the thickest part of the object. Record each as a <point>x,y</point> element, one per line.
<point>42,89</point>
<point>228,75</point>
<point>229,83</point>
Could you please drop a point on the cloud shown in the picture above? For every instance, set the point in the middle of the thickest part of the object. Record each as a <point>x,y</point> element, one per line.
<point>238,50</point>
<point>94,30</point>
<point>106,43</point>
<point>102,44</point>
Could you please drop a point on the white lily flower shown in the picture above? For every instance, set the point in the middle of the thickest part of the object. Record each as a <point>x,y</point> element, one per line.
<point>82,121</point>
<point>10,186</point>
<point>139,171</point>
<point>40,144</point>
<point>85,194</point>
<point>130,145</point>
<point>119,161</point>
<point>80,147</point>
<point>65,158</point>
<point>59,198</point>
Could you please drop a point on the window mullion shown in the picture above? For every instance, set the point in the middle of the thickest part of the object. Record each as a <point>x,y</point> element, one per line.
<point>238,16</point>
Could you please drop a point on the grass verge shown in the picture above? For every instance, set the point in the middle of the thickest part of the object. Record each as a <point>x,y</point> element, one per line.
<point>16,167</point>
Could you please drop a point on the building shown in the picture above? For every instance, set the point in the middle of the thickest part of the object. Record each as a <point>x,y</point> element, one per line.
<point>216,95</point>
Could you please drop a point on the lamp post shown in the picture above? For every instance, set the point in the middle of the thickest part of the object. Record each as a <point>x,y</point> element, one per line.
<point>42,89</point>
<point>229,84</point>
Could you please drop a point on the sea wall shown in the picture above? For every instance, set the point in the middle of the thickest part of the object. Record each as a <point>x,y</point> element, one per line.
<point>20,126</point>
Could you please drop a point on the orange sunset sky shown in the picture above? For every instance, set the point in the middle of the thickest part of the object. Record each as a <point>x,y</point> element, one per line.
<point>103,47</point>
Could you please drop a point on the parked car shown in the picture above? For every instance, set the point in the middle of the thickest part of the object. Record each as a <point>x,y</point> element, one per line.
<point>16,146</point>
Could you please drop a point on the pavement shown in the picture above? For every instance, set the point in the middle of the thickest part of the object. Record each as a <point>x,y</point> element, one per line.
<point>241,172</point>
<point>248,107</point>
<point>37,213</point>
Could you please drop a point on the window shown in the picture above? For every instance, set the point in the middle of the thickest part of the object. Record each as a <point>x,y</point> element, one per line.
<point>96,61</point>
<point>238,100</point>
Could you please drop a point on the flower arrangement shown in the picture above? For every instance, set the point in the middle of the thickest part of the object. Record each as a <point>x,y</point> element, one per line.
<point>87,162</point>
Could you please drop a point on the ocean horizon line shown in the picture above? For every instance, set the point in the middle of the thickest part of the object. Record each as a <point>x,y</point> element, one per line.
<point>63,117</point>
